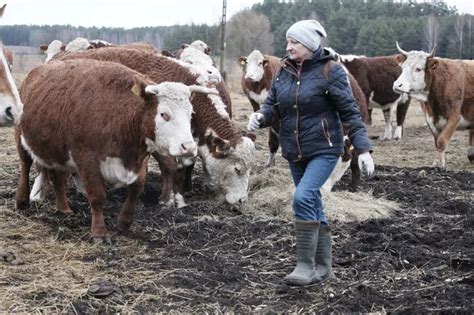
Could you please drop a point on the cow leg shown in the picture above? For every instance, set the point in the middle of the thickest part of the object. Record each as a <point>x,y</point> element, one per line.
<point>369,110</point>
<point>273,143</point>
<point>40,186</point>
<point>168,167</point>
<point>59,180</point>
<point>444,138</point>
<point>255,105</point>
<point>388,115</point>
<point>355,181</point>
<point>470,151</point>
<point>127,212</point>
<point>402,109</point>
<point>182,183</point>
<point>97,195</point>
<point>336,175</point>
<point>22,199</point>
<point>188,180</point>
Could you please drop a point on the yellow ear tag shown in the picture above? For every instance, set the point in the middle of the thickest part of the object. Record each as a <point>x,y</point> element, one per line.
<point>136,90</point>
<point>218,150</point>
<point>242,62</point>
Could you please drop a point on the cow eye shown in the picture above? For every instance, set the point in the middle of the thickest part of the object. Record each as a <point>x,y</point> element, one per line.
<point>238,170</point>
<point>165,116</point>
<point>417,69</point>
<point>260,63</point>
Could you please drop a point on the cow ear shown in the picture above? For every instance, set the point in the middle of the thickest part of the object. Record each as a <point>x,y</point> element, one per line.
<point>144,91</point>
<point>183,46</point>
<point>432,63</point>
<point>208,50</point>
<point>44,48</point>
<point>242,61</point>
<point>167,53</point>
<point>400,58</point>
<point>63,47</point>
<point>220,147</point>
<point>251,136</point>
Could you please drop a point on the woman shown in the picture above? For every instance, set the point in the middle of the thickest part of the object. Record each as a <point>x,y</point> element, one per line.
<point>311,97</point>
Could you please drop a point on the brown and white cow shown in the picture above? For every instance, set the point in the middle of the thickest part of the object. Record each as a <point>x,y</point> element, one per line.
<point>375,76</point>
<point>258,72</point>
<point>99,120</point>
<point>195,55</point>
<point>81,44</point>
<point>350,156</point>
<point>11,106</point>
<point>226,154</point>
<point>445,87</point>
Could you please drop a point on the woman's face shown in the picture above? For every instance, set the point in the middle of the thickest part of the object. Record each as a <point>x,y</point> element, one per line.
<point>297,51</point>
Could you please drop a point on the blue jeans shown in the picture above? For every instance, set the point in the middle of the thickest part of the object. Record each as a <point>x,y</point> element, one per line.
<point>309,176</point>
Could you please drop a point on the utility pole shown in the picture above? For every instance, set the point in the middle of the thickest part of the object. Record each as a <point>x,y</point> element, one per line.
<point>223,21</point>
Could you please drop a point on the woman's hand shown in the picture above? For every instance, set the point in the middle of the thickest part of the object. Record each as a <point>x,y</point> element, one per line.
<point>255,121</point>
<point>366,164</point>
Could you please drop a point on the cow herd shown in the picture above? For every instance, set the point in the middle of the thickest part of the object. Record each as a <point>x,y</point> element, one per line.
<point>96,111</point>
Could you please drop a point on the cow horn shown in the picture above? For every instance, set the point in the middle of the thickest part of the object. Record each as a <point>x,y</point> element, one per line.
<point>401,50</point>
<point>202,89</point>
<point>152,89</point>
<point>432,52</point>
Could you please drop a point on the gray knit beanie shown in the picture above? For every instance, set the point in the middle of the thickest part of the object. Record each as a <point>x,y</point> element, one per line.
<point>308,33</point>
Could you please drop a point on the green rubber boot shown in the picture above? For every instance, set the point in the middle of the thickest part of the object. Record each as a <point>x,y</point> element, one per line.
<point>306,242</point>
<point>323,258</point>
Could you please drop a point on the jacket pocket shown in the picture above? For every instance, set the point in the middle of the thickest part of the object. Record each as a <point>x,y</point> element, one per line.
<point>326,131</point>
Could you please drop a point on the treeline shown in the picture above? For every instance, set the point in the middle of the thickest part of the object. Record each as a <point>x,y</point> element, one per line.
<point>368,27</point>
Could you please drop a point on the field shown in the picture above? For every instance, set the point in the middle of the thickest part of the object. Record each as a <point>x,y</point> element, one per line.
<point>403,243</point>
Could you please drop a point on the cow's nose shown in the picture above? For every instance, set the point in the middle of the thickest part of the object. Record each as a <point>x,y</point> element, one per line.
<point>189,148</point>
<point>9,113</point>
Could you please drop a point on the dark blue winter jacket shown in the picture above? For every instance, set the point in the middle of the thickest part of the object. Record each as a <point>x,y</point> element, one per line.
<point>310,105</point>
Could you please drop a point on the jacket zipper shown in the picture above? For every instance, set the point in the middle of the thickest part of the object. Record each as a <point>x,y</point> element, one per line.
<point>300,155</point>
<point>325,127</point>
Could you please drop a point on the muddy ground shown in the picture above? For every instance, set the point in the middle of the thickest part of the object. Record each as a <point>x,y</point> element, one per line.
<point>210,258</point>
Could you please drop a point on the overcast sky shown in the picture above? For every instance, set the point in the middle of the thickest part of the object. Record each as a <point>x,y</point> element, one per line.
<point>134,13</point>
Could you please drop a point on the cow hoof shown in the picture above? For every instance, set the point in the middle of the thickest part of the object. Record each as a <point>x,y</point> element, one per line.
<point>22,204</point>
<point>66,211</point>
<point>123,226</point>
<point>470,154</point>
<point>103,240</point>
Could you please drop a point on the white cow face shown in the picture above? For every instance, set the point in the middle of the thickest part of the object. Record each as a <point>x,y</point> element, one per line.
<point>173,120</point>
<point>51,50</point>
<point>412,78</point>
<point>254,66</point>
<point>201,65</point>
<point>229,174</point>
<point>78,44</point>
<point>11,106</point>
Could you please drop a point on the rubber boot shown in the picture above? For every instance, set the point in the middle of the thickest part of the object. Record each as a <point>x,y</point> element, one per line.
<point>323,257</point>
<point>306,242</point>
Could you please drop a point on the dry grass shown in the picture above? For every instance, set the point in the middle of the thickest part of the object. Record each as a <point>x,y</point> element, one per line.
<point>57,271</point>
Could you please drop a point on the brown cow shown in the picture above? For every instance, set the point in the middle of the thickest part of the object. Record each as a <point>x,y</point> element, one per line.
<point>445,88</point>
<point>229,169</point>
<point>99,120</point>
<point>257,77</point>
<point>375,76</point>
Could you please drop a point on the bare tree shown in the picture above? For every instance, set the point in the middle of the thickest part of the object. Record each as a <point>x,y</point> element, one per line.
<point>459,33</point>
<point>246,31</point>
<point>431,32</point>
